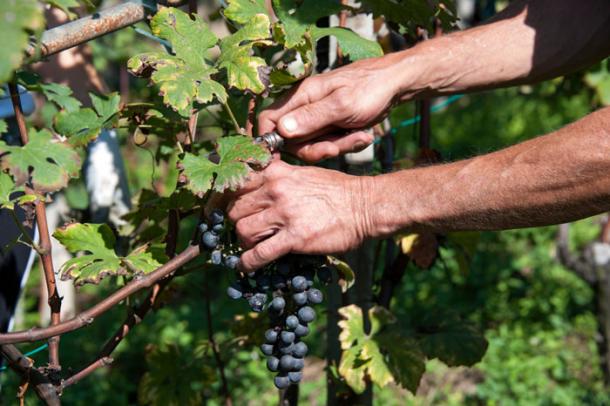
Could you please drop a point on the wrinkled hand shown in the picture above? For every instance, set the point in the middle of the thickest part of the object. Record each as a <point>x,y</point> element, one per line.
<point>314,116</point>
<point>305,210</point>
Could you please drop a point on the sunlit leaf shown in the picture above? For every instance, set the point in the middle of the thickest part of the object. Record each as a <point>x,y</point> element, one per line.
<point>296,19</point>
<point>347,277</point>
<point>235,155</point>
<point>183,78</point>
<point>47,164</point>
<point>351,44</point>
<point>18,19</point>
<point>241,11</point>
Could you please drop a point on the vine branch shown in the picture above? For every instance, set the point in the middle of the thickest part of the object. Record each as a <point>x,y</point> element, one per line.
<point>85,318</point>
<point>46,257</point>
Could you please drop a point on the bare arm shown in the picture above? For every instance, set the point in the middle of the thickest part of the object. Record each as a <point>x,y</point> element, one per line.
<point>555,178</point>
<point>529,41</point>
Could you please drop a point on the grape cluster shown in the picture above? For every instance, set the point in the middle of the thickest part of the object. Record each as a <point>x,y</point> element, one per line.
<point>211,232</point>
<point>289,285</point>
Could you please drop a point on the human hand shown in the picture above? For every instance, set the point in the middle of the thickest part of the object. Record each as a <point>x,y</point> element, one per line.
<point>304,210</point>
<point>314,116</point>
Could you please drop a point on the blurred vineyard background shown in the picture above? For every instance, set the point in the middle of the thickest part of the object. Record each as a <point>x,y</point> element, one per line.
<point>538,316</point>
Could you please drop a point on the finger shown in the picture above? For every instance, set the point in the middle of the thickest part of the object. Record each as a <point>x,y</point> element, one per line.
<point>257,227</point>
<point>306,92</point>
<point>330,146</point>
<point>254,182</point>
<point>265,252</point>
<point>247,205</point>
<point>313,117</point>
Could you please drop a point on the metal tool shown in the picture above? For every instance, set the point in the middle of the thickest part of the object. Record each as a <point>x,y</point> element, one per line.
<point>272,140</point>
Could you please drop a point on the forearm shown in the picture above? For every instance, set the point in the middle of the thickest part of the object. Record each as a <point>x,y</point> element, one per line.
<point>527,42</point>
<point>552,179</point>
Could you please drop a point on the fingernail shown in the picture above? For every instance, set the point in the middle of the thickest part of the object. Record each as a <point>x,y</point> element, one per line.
<point>289,124</point>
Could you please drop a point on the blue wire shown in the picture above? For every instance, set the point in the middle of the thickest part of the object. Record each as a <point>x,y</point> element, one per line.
<point>29,354</point>
<point>414,120</point>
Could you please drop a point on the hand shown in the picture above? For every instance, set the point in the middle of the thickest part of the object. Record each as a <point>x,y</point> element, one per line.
<point>314,116</point>
<point>304,210</point>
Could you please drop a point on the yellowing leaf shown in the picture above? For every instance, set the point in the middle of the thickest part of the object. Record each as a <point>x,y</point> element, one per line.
<point>353,369</point>
<point>45,163</point>
<point>244,71</point>
<point>236,154</point>
<point>183,78</point>
<point>347,278</point>
<point>242,11</point>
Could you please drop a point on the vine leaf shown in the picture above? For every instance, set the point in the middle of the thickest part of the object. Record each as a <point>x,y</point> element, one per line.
<point>372,356</point>
<point>84,125</point>
<point>100,259</point>
<point>65,6</point>
<point>296,20</point>
<point>235,154</point>
<point>454,342</point>
<point>45,163</point>
<point>422,247</point>
<point>347,277</point>
<point>19,19</point>
<point>61,95</point>
<point>3,127</point>
<point>242,11</point>
<point>245,71</point>
<point>352,44</point>
<point>183,78</point>
<point>7,187</point>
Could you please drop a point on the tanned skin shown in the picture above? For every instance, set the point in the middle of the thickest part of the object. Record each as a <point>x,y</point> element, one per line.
<point>551,179</point>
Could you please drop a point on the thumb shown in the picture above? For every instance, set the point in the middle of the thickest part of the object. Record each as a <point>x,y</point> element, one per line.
<point>313,119</point>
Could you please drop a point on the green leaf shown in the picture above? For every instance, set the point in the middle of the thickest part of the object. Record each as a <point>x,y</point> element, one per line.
<point>347,277</point>
<point>3,127</point>
<point>351,43</point>
<point>18,19</point>
<point>244,71</point>
<point>599,80</point>
<point>7,187</point>
<point>60,95</point>
<point>44,162</point>
<point>454,342</point>
<point>84,125</point>
<point>183,78</point>
<point>65,6</point>
<point>235,155</point>
<point>296,19</point>
<point>241,11</point>
<point>408,13</point>
<point>373,356</point>
<point>100,260</point>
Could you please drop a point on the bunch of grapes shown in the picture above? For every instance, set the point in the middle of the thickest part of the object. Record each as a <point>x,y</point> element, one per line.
<point>289,285</point>
<point>211,232</point>
<point>285,290</point>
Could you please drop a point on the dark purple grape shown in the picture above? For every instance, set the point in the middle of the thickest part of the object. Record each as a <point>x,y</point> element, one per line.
<point>216,257</point>
<point>314,296</point>
<point>299,283</point>
<point>299,364</point>
<point>263,283</point>
<point>235,291</point>
<point>273,363</point>
<point>287,337</point>
<point>306,314</point>
<point>218,228</point>
<point>287,363</point>
<point>231,261</point>
<point>216,216</point>
<point>281,381</point>
<point>257,302</point>
<point>203,227</point>
<point>300,298</point>
<point>286,349</point>
<point>295,377</point>
<point>267,349</point>
<point>278,303</point>
<point>325,274</point>
<point>309,274</point>
<point>271,336</point>
<point>300,349</point>
<point>301,330</point>
<point>209,240</point>
<point>292,322</point>
<point>278,281</point>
